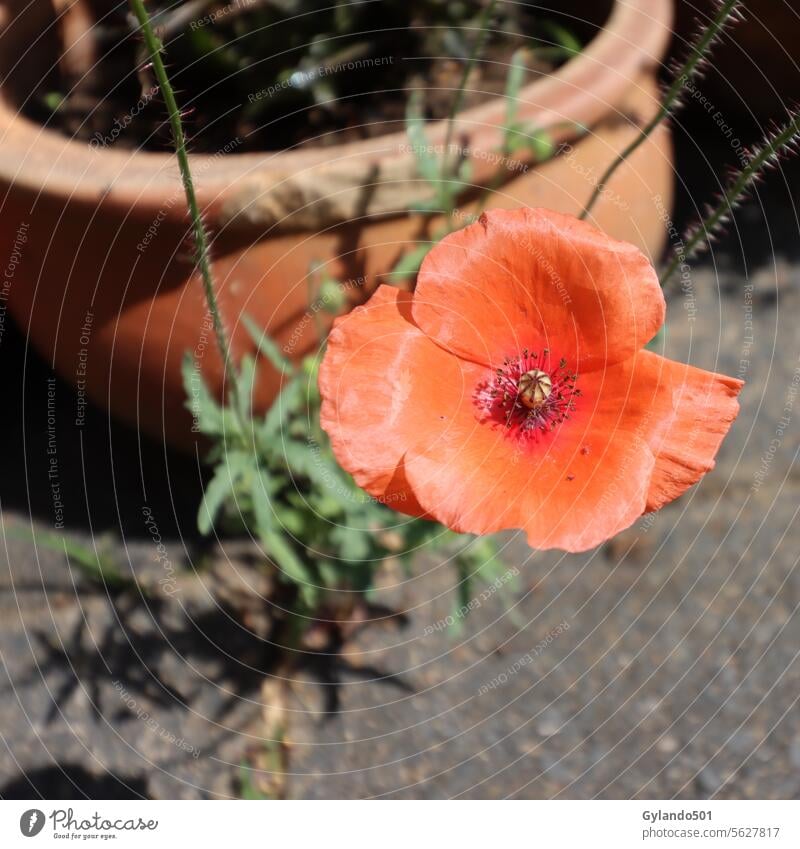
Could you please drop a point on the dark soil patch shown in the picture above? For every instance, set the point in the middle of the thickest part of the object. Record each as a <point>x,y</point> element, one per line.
<point>268,75</point>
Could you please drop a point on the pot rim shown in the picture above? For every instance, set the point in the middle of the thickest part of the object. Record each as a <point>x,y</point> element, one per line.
<point>580,92</point>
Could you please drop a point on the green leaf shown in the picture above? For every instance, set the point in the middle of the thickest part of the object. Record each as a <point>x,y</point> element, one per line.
<point>247,788</point>
<point>327,506</point>
<point>245,385</point>
<point>291,519</point>
<point>314,462</point>
<point>563,38</point>
<point>541,144</point>
<point>261,490</point>
<point>95,565</point>
<point>234,466</point>
<point>53,100</point>
<point>538,142</point>
<point>514,80</point>
<point>351,543</point>
<point>290,564</point>
<point>427,161</point>
<point>409,263</point>
<point>330,573</point>
<point>332,295</point>
<point>266,346</point>
<point>463,596</point>
<point>288,403</point>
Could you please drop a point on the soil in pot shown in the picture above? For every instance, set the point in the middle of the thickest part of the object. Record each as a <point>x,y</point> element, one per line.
<point>281,73</point>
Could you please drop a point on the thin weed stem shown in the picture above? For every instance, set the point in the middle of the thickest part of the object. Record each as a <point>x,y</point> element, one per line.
<point>685,74</point>
<point>763,156</point>
<point>154,48</point>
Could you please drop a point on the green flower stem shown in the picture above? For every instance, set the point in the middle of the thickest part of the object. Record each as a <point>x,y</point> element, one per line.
<point>687,72</point>
<point>769,150</point>
<point>154,47</point>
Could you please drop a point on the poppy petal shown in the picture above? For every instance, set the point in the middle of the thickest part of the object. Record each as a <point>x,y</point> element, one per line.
<point>572,488</point>
<point>695,410</point>
<point>382,383</point>
<point>534,277</point>
<point>644,430</point>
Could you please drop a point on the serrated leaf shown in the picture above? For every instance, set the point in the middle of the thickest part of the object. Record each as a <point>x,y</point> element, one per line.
<point>266,346</point>
<point>330,573</point>
<point>312,461</point>
<point>428,163</point>
<point>245,385</point>
<point>227,474</point>
<point>93,564</point>
<point>291,519</point>
<point>287,560</point>
<point>351,543</point>
<point>541,145</point>
<point>332,295</point>
<point>409,263</point>
<point>514,80</point>
<point>327,506</point>
<point>288,402</point>
<point>563,38</point>
<point>538,142</point>
<point>261,490</point>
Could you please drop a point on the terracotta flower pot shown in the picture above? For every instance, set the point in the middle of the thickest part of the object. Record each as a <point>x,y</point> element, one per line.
<point>103,281</point>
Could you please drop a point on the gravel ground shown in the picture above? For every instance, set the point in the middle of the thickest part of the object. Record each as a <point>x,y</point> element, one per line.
<point>664,664</point>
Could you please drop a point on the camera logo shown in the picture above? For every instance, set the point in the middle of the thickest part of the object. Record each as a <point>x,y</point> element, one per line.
<point>31,822</point>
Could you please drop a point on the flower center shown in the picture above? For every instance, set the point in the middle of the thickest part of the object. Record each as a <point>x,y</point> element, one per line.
<point>530,394</point>
<point>534,388</point>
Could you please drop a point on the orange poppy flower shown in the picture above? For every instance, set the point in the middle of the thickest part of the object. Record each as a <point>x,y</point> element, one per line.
<point>511,390</point>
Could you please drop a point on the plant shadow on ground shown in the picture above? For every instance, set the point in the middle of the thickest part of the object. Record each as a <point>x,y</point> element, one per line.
<point>69,781</point>
<point>106,473</point>
<point>131,658</point>
<point>105,470</point>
